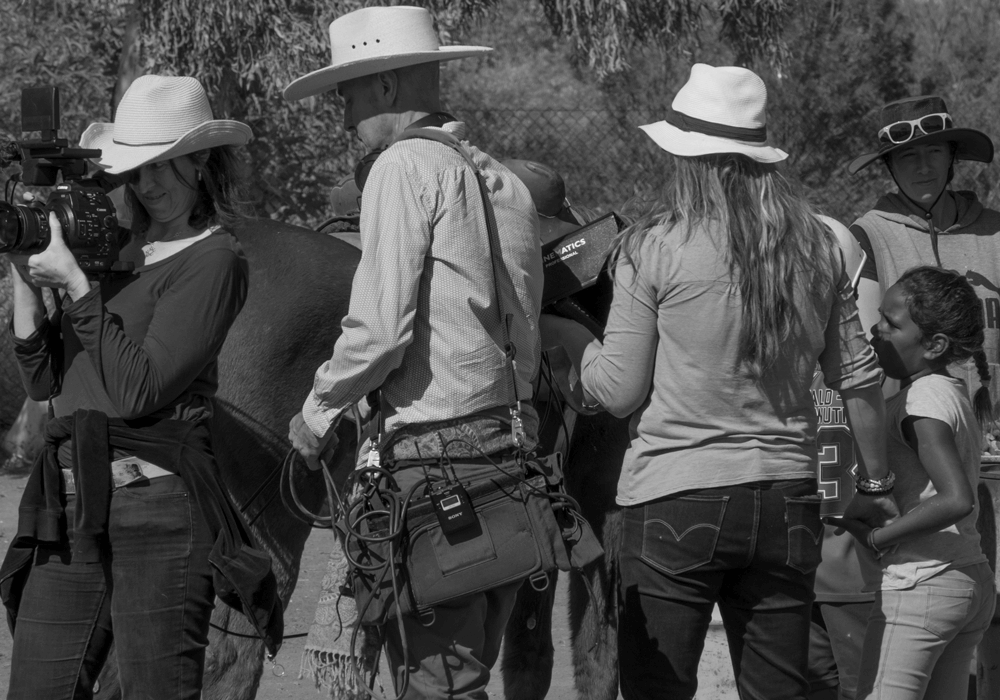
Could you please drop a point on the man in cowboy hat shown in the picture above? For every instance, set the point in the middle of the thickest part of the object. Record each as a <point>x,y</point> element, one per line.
<point>424,327</point>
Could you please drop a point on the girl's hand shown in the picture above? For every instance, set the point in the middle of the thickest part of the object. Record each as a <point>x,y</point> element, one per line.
<point>876,510</point>
<point>55,266</point>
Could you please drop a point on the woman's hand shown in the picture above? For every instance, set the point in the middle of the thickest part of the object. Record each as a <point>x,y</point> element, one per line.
<point>53,267</point>
<point>565,377</point>
<point>566,341</point>
<point>29,306</point>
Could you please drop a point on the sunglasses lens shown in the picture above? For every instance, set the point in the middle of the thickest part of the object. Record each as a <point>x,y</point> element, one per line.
<point>933,123</point>
<point>901,132</point>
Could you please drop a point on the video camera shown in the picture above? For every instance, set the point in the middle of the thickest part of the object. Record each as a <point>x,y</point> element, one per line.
<point>81,204</point>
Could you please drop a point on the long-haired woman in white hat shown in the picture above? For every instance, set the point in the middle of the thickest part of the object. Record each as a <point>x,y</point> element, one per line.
<point>728,293</point>
<point>124,510</point>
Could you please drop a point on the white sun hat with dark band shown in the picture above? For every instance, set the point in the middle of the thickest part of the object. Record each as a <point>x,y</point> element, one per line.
<point>718,110</point>
<point>376,39</point>
<point>159,118</point>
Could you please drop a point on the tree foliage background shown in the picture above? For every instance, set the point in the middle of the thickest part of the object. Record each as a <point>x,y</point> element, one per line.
<point>829,65</point>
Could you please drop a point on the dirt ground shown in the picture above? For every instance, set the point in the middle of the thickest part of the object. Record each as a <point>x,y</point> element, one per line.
<point>282,682</point>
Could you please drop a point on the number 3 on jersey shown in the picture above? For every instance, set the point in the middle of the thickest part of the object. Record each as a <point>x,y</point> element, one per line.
<point>837,467</point>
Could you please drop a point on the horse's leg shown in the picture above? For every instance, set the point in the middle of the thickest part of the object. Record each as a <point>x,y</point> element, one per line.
<point>592,471</point>
<point>527,648</point>
<point>232,664</point>
<point>593,621</point>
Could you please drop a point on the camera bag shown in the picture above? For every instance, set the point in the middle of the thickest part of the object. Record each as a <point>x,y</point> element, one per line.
<point>526,524</point>
<point>526,527</point>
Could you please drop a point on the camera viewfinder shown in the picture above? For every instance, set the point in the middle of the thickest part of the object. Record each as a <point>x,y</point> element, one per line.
<point>40,110</point>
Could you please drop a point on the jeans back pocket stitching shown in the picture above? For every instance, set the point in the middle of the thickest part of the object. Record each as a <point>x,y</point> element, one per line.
<point>685,533</point>
<point>723,502</point>
<point>815,537</point>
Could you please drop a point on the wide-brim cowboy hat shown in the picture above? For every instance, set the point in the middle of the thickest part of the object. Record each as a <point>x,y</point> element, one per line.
<point>969,143</point>
<point>159,118</point>
<point>718,110</point>
<point>376,39</point>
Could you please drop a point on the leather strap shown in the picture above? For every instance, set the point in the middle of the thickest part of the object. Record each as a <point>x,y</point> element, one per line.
<point>493,239</point>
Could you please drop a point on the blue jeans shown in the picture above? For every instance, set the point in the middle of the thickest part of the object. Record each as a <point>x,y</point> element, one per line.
<point>152,594</point>
<point>920,641</point>
<point>753,550</point>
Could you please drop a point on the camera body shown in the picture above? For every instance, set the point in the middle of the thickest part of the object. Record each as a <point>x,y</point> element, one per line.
<point>86,214</point>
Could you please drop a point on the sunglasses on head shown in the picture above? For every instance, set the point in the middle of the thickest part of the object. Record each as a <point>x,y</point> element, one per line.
<point>903,131</point>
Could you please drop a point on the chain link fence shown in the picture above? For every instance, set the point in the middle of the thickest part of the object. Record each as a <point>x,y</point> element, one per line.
<point>606,160</point>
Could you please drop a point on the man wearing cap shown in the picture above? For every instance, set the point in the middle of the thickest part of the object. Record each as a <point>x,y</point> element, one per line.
<point>423,326</point>
<point>925,222</point>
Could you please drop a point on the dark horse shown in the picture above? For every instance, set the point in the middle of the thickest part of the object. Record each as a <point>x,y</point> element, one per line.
<point>300,284</point>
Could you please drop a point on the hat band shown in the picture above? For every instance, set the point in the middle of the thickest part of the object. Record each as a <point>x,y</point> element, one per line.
<point>145,143</point>
<point>737,133</point>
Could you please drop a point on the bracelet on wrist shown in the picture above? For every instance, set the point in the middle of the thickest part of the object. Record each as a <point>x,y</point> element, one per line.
<point>875,487</point>
<point>871,543</point>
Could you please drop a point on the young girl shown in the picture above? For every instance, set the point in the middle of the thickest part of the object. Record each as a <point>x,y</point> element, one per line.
<point>934,588</point>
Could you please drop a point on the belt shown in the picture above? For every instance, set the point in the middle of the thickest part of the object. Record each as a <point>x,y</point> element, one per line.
<point>505,457</point>
<point>123,472</point>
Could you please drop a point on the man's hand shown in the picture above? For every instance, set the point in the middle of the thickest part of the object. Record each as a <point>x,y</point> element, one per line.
<point>304,440</point>
<point>874,511</point>
<point>859,530</point>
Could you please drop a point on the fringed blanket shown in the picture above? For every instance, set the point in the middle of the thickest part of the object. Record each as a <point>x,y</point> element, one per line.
<point>327,655</point>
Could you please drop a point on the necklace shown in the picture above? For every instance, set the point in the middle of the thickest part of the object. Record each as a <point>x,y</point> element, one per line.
<point>168,248</point>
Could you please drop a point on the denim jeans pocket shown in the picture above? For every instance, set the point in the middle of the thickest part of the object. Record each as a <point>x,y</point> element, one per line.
<point>947,610</point>
<point>680,534</point>
<point>805,532</point>
<point>151,516</point>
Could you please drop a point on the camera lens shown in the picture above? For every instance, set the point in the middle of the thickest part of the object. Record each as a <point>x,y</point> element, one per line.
<point>23,229</point>
<point>10,228</point>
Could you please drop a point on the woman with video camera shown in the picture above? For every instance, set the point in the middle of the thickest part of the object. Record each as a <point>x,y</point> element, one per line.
<point>125,532</point>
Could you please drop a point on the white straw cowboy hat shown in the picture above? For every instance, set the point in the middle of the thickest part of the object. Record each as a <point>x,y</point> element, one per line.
<point>159,118</point>
<point>376,39</point>
<point>718,110</point>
